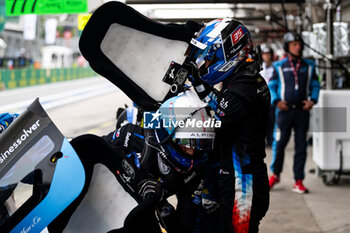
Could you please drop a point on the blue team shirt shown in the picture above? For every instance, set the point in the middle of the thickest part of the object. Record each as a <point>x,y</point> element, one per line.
<point>282,83</point>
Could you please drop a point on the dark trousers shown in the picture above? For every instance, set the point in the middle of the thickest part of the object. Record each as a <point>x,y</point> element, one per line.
<point>271,126</point>
<point>298,120</point>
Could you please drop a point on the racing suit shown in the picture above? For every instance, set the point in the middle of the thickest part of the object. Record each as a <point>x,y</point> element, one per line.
<point>122,152</point>
<point>243,107</point>
<point>243,183</point>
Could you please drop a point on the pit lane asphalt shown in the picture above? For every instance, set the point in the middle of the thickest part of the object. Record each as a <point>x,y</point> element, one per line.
<point>324,209</point>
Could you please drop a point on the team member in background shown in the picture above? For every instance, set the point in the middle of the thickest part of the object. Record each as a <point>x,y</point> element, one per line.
<point>294,90</point>
<point>266,73</point>
<point>267,57</point>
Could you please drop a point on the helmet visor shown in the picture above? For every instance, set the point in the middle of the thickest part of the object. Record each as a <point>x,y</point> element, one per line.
<point>196,143</point>
<point>197,54</point>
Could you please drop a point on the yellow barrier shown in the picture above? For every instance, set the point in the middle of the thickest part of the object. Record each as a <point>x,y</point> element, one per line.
<point>10,79</point>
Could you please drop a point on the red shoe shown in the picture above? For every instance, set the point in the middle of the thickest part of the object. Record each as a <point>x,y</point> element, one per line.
<point>298,187</point>
<point>274,179</point>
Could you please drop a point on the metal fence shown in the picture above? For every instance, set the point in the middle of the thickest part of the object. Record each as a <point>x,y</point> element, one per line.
<point>10,79</point>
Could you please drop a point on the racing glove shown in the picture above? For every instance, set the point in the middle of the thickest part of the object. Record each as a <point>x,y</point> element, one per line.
<point>166,209</point>
<point>202,196</point>
<point>151,189</point>
<point>209,205</point>
<point>205,92</point>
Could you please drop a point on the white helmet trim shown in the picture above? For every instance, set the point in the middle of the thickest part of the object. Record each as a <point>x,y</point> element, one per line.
<point>197,135</point>
<point>217,30</point>
<point>198,44</point>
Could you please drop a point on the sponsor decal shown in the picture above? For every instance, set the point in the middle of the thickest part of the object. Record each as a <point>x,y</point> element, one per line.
<point>171,73</point>
<point>137,160</point>
<point>126,178</point>
<point>228,66</point>
<point>259,79</point>
<point>287,69</point>
<point>198,44</point>
<point>26,134</point>
<point>117,133</point>
<point>261,89</point>
<point>220,113</point>
<point>35,222</point>
<point>175,74</point>
<point>223,104</point>
<point>127,138</point>
<point>222,172</point>
<point>204,135</point>
<point>187,179</point>
<point>234,50</point>
<point>128,169</point>
<point>237,35</point>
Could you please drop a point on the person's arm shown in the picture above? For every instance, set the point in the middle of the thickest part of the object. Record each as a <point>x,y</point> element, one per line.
<point>195,198</point>
<point>129,138</point>
<point>140,219</point>
<point>205,92</point>
<point>314,87</point>
<point>273,87</point>
<point>183,218</point>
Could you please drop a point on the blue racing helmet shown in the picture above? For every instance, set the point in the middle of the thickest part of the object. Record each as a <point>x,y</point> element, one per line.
<point>219,49</point>
<point>185,124</point>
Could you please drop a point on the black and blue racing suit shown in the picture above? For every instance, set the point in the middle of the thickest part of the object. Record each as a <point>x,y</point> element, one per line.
<point>243,107</point>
